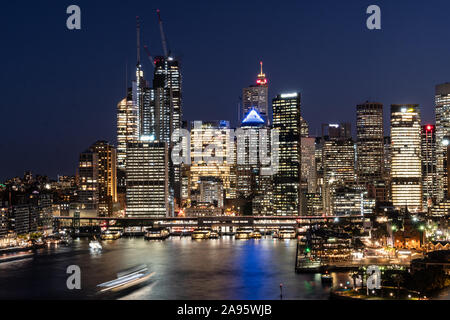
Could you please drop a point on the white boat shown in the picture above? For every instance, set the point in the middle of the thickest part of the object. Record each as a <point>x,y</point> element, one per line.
<point>95,245</point>
<point>126,279</point>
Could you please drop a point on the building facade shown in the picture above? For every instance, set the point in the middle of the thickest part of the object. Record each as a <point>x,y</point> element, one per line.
<point>287,180</point>
<point>406,166</point>
<point>429,166</point>
<point>147,180</point>
<point>369,143</point>
<point>256,97</point>
<point>442,112</point>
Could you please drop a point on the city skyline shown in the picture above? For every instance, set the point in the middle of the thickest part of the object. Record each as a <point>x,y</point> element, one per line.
<point>76,119</point>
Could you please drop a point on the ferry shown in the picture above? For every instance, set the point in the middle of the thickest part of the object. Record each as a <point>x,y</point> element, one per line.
<point>242,234</point>
<point>157,233</point>
<point>111,234</point>
<point>201,234</point>
<point>126,280</point>
<point>214,235</point>
<point>287,233</point>
<point>326,277</point>
<point>256,235</point>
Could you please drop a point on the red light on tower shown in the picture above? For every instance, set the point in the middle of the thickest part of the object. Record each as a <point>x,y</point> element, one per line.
<point>429,128</point>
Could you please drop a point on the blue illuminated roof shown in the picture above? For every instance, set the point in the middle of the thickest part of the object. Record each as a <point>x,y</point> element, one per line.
<point>253,117</point>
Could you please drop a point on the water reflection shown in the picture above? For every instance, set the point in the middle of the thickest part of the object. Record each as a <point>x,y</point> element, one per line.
<point>184,269</point>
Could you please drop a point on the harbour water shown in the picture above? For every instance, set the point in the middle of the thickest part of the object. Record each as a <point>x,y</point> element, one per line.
<point>222,268</point>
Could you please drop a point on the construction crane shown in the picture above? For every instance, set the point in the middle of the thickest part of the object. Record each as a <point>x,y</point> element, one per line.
<point>163,37</point>
<point>149,56</point>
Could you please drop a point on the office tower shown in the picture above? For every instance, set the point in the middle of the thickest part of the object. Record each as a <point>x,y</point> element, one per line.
<point>167,84</point>
<point>88,181</point>
<point>256,97</point>
<point>369,144</point>
<point>210,192</point>
<point>352,201</point>
<point>3,220</point>
<point>308,173</point>
<point>141,97</point>
<point>387,166</point>
<point>253,186</point>
<point>41,208</point>
<point>337,131</point>
<point>107,176</point>
<point>127,128</point>
<point>338,168</point>
<point>304,131</point>
<point>248,153</point>
<point>406,171</point>
<point>429,162</point>
<point>212,154</point>
<point>442,103</point>
<point>286,119</point>
<point>166,98</point>
<point>147,179</point>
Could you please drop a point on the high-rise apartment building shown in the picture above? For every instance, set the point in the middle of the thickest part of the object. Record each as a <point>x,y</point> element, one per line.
<point>256,97</point>
<point>429,166</point>
<point>287,180</point>
<point>147,179</point>
<point>406,167</point>
<point>369,144</point>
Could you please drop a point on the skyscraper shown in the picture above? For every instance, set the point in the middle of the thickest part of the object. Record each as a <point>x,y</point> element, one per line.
<point>338,156</point>
<point>212,162</point>
<point>442,103</point>
<point>406,170</point>
<point>429,174</point>
<point>256,97</point>
<point>369,144</point>
<point>252,185</point>
<point>167,98</point>
<point>107,176</point>
<point>287,120</point>
<point>309,164</point>
<point>127,129</point>
<point>147,179</point>
<point>166,102</point>
<point>88,181</point>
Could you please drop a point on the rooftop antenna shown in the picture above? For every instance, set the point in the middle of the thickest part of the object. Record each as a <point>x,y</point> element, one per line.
<point>161,31</point>
<point>138,42</point>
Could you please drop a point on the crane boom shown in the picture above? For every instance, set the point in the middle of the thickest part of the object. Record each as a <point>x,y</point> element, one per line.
<point>149,55</point>
<point>163,37</point>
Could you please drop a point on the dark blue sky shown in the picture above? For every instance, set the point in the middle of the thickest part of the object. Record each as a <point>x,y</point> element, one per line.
<point>60,88</point>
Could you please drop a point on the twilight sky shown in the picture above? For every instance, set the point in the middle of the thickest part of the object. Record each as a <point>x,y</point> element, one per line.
<point>60,87</point>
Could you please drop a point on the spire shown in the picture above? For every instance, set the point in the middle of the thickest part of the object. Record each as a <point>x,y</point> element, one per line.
<point>261,79</point>
<point>138,41</point>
